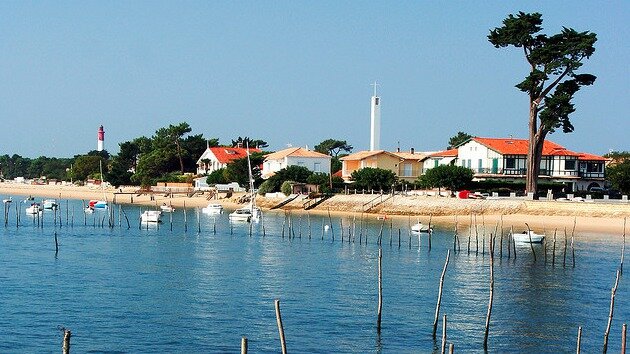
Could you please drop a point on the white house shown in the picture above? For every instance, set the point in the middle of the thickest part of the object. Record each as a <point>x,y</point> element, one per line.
<point>215,158</point>
<point>505,159</point>
<point>295,156</point>
<point>447,157</point>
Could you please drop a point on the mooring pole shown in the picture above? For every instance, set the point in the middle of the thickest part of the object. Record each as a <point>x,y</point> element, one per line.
<point>579,340</point>
<point>439,299</point>
<point>65,347</point>
<point>487,329</point>
<point>610,314</point>
<point>283,343</point>
<point>380,290</point>
<point>244,345</point>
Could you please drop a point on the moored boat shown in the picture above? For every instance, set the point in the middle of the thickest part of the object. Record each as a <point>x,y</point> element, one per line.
<point>167,208</point>
<point>242,214</point>
<point>420,227</point>
<point>528,237</point>
<point>213,208</point>
<point>35,208</point>
<point>50,204</point>
<point>151,216</point>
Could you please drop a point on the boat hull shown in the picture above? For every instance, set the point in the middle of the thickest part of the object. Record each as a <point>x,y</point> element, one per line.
<point>525,238</point>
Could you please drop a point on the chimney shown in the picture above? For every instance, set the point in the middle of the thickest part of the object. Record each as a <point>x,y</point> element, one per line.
<point>413,151</point>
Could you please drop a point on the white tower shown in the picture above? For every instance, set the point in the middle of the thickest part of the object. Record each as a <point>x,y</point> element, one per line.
<point>100,139</point>
<point>375,121</point>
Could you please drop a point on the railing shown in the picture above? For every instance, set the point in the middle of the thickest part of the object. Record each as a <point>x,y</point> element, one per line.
<point>376,201</point>
<point>592,174</point>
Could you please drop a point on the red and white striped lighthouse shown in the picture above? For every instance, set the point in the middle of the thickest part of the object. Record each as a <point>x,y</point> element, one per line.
<point>101,138</point>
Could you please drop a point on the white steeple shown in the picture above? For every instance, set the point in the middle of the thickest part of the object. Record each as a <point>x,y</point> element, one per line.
<point>375,121</point>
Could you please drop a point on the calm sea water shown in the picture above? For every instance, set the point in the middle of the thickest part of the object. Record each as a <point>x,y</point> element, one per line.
<point>160,291</point>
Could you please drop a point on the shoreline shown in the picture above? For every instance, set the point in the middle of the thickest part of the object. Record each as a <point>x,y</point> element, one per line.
<point>591,218</point>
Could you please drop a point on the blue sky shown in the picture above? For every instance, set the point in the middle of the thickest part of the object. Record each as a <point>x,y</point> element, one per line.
<point>290,72</point>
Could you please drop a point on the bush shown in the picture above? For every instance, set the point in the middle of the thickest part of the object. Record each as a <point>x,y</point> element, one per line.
<point>217,177</point>
<point>287,187</point>
<point>265,187</point>
<point>374,178</point>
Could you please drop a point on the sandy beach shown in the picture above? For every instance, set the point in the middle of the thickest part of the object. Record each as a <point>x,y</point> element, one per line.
<point>593,218</point>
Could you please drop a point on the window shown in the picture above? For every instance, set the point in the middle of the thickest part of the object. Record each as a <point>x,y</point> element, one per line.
<point>436,163</point>
<point>480,165</point>
<point>407,170</point>
<point>317,167</point>
<point>300,163</point>
<point>510,162</point>
<point>569,165</point>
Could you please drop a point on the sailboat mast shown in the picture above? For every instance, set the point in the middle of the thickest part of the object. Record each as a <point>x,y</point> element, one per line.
<point>251,178</point>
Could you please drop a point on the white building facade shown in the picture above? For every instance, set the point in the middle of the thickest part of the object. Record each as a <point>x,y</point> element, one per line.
<point>312,160</point>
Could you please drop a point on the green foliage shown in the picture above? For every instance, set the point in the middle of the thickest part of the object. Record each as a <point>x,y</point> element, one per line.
<point>458,139</point>
<point>373,178</point>
<point>217,177</point>
<point>292,173</point>
<point>238,170</point>
<point>552,81</point>
<point>287,187</point>
<point>447,176</point>
<point>619,176</point>
<point>265,188</point>
<point>248,142</point>
<point>333,147</point>
<point>85,166</point>
<point>618,155</point>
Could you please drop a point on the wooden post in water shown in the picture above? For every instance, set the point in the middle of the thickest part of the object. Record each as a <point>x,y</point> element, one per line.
<point>283,343</point>
<point>341,228</point>
<point>380,290</point>
<point>623,247</point>
<point>439,299</point>
<point>476,238</point>
<point>531,245</point>
<point>430,232</point>
<point>65,347</point>
<point>451,348</point>
<point>399,238</point>
<point>185,220</point>
<point>579,340</point>
<point>624,329</point>
<point>610,314</point>
<point>391,231</point>
<point>332,230</point>
<point>501,238</point>
<point>513,241</point>
<point>572,238</point>
<point>56,244</point>
<point>443,351</point>
<point>308,218</point>
<point>564,254</point>
<point>470,232</point>
<point>244,345</point>
<point>487,329</point>
<point>455,236</point>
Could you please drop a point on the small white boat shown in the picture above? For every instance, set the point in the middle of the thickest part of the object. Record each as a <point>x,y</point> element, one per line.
<point>526,237</point>
<point>213,208</point>
<point>8,200</point>
<point>98,204</point>
<point>35,208</point>
<point>242,214</point>
<point>88,210</point>
<point>50,204</point>
<point>151,216</point>
<point>420,227</point>
<point>167,208</point>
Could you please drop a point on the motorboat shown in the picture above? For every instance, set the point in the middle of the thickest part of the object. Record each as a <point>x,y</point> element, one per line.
<point>528,237</point>
<point>167,208</point>
<point>7,201</point>
<point>151,216</point>
<point>213,208</point>
<point>242,214</point>
<point>35,208</point>
<point>420,227</point>
<point>88,210</point>
<point>98,204</point>
<point>50,204</point>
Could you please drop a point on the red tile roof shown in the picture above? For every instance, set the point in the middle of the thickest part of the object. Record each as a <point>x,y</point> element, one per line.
<point>591,157</point>
<point>511,146</point>
<point>227,154</point>
<point>445,153</point>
